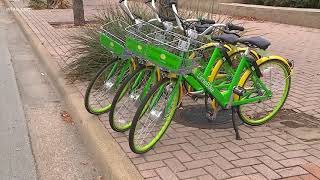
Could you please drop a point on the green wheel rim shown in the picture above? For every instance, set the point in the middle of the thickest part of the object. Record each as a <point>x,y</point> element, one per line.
<point>102,110</point>
<point>135,84</point>
<point>115,73</point>
<point>173,101</point>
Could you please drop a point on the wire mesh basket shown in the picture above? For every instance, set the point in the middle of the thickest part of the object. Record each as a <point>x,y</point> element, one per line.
<point>166,49</point>
<point>113,36</point>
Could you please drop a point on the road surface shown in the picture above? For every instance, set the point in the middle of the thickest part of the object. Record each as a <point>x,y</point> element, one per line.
<point>35,141</point>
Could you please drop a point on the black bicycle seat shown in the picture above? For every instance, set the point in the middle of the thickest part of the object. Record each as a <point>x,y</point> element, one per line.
<point>226,38</point>
<point>255,42</point>
<point>202,27</point>
<point>207,21</point>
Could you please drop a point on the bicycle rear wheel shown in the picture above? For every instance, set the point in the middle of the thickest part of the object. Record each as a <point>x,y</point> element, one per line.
<point>129,96</point>
<point>103,86</point>
<point>154,115</point>
<point>276,77</point>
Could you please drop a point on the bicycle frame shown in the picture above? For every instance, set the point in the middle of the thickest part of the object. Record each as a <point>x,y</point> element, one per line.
<point>215,62</point>
<point>225,99</point>
<point>211,70</point>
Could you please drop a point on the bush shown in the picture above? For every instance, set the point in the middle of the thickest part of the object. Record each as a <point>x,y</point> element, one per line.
<point>88,56</point>
<point>37,4</point>
<point>289,3</point>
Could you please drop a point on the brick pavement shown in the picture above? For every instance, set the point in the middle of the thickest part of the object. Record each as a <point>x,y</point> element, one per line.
<point>193,153</point>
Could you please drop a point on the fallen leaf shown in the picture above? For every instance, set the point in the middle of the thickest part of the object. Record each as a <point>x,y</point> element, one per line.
<point>66,117</point>
<point>84,163</point>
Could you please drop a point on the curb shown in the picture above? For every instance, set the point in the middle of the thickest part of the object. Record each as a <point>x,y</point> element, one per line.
<point>110,158</point>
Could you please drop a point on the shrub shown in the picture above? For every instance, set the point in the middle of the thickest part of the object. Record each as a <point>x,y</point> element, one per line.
<point>88,55</point>
<point>60,4</point>
<point>37,4</point>
<point>289,3</point>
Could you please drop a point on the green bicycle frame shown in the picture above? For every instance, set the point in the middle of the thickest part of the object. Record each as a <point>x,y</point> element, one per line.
<point>147,85</point>
<point>225,98</point>
<point>216,55</point>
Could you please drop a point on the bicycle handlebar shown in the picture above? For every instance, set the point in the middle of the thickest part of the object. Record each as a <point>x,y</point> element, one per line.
<point>180,22</point>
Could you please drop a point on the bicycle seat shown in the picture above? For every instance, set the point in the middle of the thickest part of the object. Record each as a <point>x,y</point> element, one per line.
<point>202,27</point>
<point>255,42</point>
<point>226,38</point>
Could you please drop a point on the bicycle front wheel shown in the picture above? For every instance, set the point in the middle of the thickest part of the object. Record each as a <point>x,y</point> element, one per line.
<point>129,96</point>
<point>276,78</point>
<point>102,88</point>
<point>154,115</point>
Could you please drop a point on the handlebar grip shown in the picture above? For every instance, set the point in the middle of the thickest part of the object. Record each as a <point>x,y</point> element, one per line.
<point>172,2</point>
<point>231,26</point>
<point>207,21</point>
<point>121,1</point>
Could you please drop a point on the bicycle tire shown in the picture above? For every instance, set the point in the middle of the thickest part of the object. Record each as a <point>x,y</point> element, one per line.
<point>170,106</point>
<point>122,124</point>
<point>103,107</point>
<point>286,88</point>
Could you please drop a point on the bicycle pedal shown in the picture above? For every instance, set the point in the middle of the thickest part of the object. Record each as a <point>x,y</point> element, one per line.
<point>239,91</point>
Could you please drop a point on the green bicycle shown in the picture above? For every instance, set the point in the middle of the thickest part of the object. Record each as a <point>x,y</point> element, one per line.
<point>257,90</point>
<point>102,88</point>
<point>137,84</point>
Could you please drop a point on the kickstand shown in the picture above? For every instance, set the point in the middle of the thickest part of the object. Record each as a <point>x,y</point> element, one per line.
<point>180,105</point>
<point>235,126</point>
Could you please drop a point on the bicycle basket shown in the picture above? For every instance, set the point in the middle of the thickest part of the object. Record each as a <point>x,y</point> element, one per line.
<point>166,49</point>
<point>112,36</point>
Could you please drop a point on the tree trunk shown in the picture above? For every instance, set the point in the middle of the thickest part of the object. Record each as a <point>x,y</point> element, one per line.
<point>49,3</point>
<point>78,12</point>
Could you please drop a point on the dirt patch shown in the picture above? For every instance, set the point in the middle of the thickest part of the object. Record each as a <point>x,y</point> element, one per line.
<point>299,125</point>
<point>294,119</point>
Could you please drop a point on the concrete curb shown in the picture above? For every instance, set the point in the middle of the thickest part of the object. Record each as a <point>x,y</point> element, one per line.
<point>112,161</point>
<point>293,16</point>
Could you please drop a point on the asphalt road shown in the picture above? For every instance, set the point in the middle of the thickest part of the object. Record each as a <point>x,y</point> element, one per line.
<point>35,141</point>
<point>16,159</point>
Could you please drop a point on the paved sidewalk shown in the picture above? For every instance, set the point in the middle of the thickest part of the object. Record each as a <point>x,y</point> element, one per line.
<point>266,152</point>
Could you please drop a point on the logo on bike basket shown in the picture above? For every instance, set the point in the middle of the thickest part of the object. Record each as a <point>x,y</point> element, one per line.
<point>163,56</point>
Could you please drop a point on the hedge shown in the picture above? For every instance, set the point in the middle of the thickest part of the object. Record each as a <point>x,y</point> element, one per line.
<point>289,3</point>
